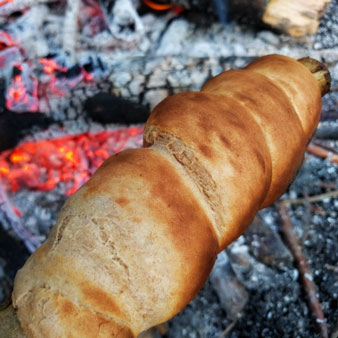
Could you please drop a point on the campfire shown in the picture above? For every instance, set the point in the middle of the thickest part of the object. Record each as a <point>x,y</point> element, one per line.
<point>78,80</point>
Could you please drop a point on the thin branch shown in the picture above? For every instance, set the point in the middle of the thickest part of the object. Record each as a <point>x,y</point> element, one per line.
<point>312,199</point>
<point>228,329</point>
<point>331,267</point>
<point>304,269</point>
<point>322,152</point>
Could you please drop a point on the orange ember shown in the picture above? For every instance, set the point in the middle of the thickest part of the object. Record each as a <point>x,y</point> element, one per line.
<point>19,156</point>
<point>4,2</point>
<point>4,170</point>
<point>158,6</point>
<point>70,160</point>
<point>49,66</point>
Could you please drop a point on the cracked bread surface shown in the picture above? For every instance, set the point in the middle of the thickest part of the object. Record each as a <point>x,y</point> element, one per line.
<point>216,130</point>
<point>299,85</point>
<point>282,107</point>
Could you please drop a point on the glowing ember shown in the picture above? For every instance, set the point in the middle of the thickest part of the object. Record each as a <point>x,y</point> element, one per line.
<point>164,6</point>
<point>50,66</point>
<point>6,40</point>
<point>60,78</point>
<point>22,94</point>
<point>69,161</point>
<point>55,79</point>
<point>4,2</point>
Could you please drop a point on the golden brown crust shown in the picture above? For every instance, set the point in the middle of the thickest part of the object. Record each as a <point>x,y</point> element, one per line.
<point>272,110</point>
<point>58,317</point>
<point>217,129</point>
<point>135,244</point>
<point>99,232</point>
<point>299,85</point>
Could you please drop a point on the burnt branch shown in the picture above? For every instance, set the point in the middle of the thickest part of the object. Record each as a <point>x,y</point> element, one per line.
<point>304,269</point>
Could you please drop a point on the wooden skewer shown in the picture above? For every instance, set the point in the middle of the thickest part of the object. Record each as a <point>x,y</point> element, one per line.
<point>319,71</point>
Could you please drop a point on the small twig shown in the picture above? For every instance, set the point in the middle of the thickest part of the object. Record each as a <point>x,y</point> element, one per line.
<point>322,152</point>
<point>312,199</point>
<point>228,329</point>
<point>304,269</point>
<point>331,267</point>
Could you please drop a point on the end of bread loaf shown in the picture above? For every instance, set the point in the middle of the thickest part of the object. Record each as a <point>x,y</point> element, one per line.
<point>319,71</point>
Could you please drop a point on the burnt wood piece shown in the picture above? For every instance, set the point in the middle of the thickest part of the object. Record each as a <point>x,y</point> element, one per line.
<point>14,126</point>
<point>107,108</point>
<point>296,18</point>
<point>252,8</point>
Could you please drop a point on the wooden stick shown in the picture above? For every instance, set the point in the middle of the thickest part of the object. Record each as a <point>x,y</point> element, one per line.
<point>304,269</point>
<point>319,71</point>
<point>331,267</point>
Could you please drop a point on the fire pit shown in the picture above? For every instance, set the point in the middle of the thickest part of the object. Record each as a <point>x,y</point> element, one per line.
<point>78,80</point>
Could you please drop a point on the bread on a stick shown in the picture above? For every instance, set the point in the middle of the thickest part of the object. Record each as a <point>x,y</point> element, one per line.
<point>136,243</point>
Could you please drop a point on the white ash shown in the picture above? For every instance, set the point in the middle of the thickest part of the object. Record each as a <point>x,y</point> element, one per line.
<point>18,5</point>
<point>70,27</point>
<point>155,96</point>
<point>125,24</point>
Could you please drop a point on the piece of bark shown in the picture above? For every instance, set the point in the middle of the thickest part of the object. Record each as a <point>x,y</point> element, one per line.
<point>296,18</point>
<point>231,293</point>
<point>266,245</point>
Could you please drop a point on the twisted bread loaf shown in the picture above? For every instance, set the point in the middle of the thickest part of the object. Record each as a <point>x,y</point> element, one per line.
<point>136,243</point>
